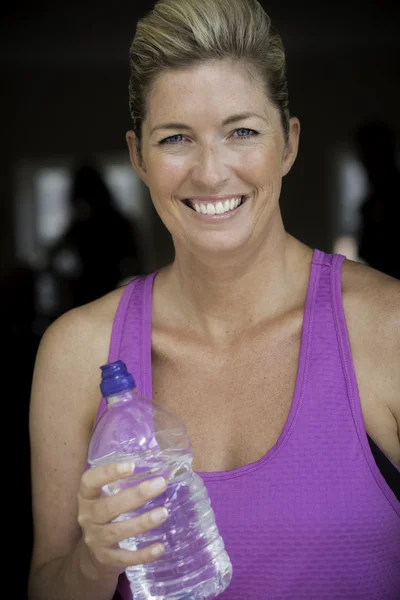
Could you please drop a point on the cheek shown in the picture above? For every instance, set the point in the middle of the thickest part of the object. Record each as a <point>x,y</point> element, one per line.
<point>261,167</point>
<point>165,174</point>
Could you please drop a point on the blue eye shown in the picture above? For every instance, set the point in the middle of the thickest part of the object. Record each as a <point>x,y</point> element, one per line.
<point>247,132</point>
<point>172,139</point>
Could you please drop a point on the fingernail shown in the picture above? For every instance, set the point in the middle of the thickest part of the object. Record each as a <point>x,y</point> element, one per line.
<point>156,484</point>
<point>125,467</point>
<point>159,514</point>
<point>157,550</point>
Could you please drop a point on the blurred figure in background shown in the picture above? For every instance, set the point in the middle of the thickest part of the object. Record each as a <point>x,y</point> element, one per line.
<point>379,241</point>
<point>98,251</point>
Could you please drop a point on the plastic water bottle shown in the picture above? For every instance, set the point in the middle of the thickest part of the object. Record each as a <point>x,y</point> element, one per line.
<point>195,564</point>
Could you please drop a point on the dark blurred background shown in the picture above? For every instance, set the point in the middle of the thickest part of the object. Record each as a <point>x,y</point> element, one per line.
<point>67,189</point>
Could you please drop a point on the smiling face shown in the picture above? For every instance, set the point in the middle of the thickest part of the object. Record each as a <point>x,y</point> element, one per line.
<point>213,156</point>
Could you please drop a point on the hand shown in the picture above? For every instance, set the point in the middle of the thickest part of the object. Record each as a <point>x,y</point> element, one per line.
<point>97,514</point>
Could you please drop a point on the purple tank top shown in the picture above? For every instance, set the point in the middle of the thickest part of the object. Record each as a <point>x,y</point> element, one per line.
<point>314,518</point>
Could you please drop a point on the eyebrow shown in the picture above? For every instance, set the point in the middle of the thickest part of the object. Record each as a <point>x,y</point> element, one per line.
<point>228,121</point>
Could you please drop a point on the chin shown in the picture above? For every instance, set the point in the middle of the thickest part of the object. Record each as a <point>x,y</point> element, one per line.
<point>219,246</point>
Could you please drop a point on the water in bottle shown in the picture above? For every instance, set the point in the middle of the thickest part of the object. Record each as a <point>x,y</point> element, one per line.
<point>195,564</point>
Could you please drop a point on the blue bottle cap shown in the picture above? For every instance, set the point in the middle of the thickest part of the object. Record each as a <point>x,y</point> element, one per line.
<point>115,378</point>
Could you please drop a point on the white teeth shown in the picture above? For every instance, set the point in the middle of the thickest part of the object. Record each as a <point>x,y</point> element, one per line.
<point>219,208</point>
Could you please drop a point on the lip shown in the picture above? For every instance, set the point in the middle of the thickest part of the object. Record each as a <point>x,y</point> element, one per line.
<point>215,218</point>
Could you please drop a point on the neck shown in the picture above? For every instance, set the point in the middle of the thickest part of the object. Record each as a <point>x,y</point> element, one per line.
<point>224,297</point>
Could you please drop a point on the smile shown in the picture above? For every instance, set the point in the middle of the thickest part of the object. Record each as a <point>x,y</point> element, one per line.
<point>217,207</point>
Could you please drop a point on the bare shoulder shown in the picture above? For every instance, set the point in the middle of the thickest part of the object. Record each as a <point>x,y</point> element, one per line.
<point>371,303</point>
<point>77,343</point>
<point>65,386</point>
<point>372,299</point>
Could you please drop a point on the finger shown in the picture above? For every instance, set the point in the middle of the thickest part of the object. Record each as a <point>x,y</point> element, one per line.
<point>108,509</point>
<point>95,478</point>
<point>130,558</point>
<point>117,531</point>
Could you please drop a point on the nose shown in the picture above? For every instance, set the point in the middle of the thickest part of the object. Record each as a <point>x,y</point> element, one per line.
<point>210,170</point>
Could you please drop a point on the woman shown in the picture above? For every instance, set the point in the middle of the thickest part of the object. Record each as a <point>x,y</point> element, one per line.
<point>280,359</point>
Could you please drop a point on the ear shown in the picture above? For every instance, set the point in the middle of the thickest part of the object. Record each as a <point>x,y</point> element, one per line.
<point>135,156</point>
<point>292,146</point>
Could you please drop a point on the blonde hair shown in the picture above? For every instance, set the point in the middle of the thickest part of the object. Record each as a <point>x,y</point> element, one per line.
<point>182,33</point>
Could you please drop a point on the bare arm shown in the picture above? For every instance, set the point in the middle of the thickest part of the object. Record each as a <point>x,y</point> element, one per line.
<point>75,554</point>
<point>62,407</point>
<point>372,307</point>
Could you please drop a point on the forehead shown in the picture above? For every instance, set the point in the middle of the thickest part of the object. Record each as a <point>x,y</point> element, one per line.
<point>211,89</point>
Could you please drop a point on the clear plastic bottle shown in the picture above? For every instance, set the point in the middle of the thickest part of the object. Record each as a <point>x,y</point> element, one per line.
<point>195,564</point>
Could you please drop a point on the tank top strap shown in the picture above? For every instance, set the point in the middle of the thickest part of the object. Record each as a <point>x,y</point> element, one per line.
<point>131,340</point>
<point>325,391</point>
<point>331,397</point>
<point>328,293</point>
<point>350,377</point>
<point>131,333</point>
